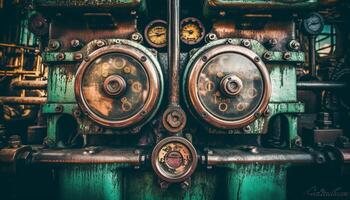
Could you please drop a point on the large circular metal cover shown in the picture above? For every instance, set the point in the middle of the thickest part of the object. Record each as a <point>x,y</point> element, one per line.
<point>228,85</point>
<point>174,159</point>
<point>118,86</point>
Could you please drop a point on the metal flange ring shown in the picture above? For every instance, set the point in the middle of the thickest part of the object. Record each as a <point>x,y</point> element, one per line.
<point>174,159</point>
<point>105,85</point>
<point>209,87</point>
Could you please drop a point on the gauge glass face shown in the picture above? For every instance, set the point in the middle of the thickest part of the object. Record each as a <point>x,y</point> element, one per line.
<point>125,104</point>
<point>192,31</point>
<point>174,159</point>
<point>156,33</point>
<point>241,104</point>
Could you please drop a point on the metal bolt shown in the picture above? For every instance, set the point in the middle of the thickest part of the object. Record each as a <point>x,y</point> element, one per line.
<point>75,43</point>
<point>294,45</point>
<point>210,37</point>
<point>59,109</point>
<point>100,43</point>
<point>230,41</point>
<point>60,56</point>
<point>78,56</point>
<point>137,37</point>
<point>268,55</point>
<point>246,129</point>
<point>256,59</point>
<point>246,43</point>
<point>86,58</point>
<point>222,13</point>
<point>204,58</point>
<point>267,112</point>
<point>54,44</point>
<point>143,58</point>
<point>163,184</point>
<point>287,56</point>
<point>185,185</point>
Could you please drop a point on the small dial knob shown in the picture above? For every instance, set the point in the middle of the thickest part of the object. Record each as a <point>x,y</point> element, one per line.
<point>114,85</point>
<point>231,85</point>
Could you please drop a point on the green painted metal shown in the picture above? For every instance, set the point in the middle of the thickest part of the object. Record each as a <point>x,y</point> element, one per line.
<point>89,182</point>
<point>256,181</point>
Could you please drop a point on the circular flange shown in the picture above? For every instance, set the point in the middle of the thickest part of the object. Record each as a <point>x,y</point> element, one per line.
<point>215,99</point>
<point>192,31</point>
<point>118,86</point>
<point>174,159</point>
<point>174,119</point>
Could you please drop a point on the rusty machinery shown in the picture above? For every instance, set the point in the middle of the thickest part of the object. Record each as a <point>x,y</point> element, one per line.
<point>172,100</point>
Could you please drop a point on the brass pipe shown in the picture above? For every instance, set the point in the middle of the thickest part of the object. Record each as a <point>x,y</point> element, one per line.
<point>30,84</point>
<point>23,100</point>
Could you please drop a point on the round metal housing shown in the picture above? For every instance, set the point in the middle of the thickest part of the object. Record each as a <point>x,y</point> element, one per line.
<point>174,159</point>
<point>227,86</point>
<point>119,86</point>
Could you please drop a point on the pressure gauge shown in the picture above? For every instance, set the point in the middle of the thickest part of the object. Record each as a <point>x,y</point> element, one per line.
<point>227,86</point>
<point>156,33</point>
<point>119,85</point>
<point>313,24</point>
<point>192,31</point>
<point>174,159</point>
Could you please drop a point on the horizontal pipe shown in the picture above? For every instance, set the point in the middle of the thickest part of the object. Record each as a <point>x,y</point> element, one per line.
<point>23,100</point>
<point>30,84</point>
<point>87,156</point>
<point>320,85</point>
<point>273,156</point>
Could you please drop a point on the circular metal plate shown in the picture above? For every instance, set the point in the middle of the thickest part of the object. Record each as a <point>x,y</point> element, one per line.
<point>243,69</point>
<point>98,80</point>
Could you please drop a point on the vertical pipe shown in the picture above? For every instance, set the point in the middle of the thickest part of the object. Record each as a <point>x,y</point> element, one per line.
<point>312,56</point>
<point>174,50</point>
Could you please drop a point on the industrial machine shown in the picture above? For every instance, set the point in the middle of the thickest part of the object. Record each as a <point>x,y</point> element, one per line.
<point>155,99</point>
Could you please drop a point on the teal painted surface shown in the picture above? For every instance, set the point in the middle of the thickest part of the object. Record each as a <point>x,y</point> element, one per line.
<point>90,182</point>
<point>283,78</point>
<point>256,181</point>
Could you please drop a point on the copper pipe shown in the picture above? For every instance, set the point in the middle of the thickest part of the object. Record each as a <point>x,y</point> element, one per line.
<point>30,84</point>
<point>88,155</point>
<point>23,100</point>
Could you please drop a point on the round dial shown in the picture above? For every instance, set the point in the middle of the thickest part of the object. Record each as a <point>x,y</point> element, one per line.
<point>229,86</point>
<point>174,159</point>
<point>114,86</point>
<point>313,24</point>
<point>156,33</point>
<point>192,31</point>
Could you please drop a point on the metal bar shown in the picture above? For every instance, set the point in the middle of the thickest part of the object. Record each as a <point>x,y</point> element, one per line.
<point>23,100</point>
<point>320,85</point>
<point>30,84</point>
<point>88,156</point>
<point>275,156</point>
<point>312,56</point>
<point>174,50</point>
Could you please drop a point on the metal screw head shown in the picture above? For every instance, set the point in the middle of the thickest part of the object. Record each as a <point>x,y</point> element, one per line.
<point>256,59</point>
<point>210,37</point>
<point>246,43</point>
<point>137,37</point>
<point>267,55</point>
<point>287,56</point>
<point>204,58</point>
<point>100,43</point>
<point>59,109</point>
<point>78,56</point>
<point>60,56</point>
<point>294,45</point>
<point>75,43</point>
<point>54,44</point>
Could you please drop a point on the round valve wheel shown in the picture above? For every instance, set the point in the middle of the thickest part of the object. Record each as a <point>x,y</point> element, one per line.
<point>119,86</point>
<point>174,159</point>
<point>228,86</point>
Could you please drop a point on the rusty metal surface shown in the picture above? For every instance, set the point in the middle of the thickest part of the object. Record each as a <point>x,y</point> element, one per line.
<point>66,33</point>
<point>23,100</point>
<point>88,156</point>
<point>280,31</point>
<point>258,155</point>
<point>30,84</point>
